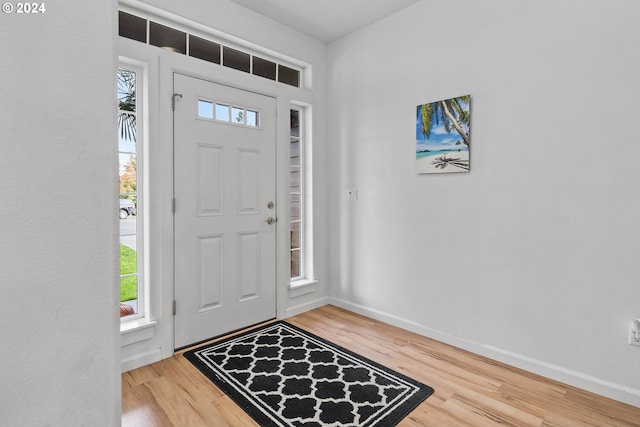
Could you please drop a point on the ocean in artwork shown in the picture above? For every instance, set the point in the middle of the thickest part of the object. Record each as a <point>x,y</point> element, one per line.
<point>442,136</point>
<point>421,154</point>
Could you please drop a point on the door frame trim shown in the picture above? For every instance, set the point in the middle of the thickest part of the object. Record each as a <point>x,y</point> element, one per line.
<point>169,63</point>
<point>275,184</point>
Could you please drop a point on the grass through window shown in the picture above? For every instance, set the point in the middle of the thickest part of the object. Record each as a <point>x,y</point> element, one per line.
<point>128,264</point>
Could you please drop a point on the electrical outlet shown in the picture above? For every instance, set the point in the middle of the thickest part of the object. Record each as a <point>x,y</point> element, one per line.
<point>352,194</point>
<point>634,332</point>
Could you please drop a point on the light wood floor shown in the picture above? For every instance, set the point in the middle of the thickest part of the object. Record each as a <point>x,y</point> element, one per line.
<point>469,390</point>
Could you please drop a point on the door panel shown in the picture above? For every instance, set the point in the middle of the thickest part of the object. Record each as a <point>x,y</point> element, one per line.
<point>224,179</point>
<point>209,282</point>
<point>248,182</point>
<point>210,180</point>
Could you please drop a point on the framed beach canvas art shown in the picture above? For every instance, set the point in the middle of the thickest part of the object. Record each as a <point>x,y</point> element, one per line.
<point>442,136</point>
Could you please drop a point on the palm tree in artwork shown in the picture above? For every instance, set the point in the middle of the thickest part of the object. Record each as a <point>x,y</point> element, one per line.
<point>453,113</point>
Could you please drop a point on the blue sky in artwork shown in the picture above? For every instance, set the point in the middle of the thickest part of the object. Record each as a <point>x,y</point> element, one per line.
<point>439,139</point>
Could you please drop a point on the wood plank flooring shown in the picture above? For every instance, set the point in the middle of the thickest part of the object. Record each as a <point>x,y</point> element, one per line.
<point>469,390</point>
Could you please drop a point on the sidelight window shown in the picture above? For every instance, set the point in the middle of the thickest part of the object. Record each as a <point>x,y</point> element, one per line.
<point>296,196</point>
<point>129,212</point>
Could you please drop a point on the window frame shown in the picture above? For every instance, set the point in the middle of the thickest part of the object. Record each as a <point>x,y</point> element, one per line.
<point>300,193</point>
<point>140,148</point>
<point>306,270</point>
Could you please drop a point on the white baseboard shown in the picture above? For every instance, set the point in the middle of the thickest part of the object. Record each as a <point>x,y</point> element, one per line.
<point>307,306</point>
<point>140,360</point>
<point>577,379</point>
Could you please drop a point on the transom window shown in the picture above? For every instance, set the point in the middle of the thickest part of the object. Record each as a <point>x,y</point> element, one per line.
<point>217,52</point>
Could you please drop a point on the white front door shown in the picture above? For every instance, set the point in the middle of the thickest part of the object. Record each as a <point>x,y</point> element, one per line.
<point>225,189</point>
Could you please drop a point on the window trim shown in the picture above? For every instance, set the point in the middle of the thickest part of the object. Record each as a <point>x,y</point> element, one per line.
<point>301,186</point>
<point>134,321</point>
<point>306,277</point>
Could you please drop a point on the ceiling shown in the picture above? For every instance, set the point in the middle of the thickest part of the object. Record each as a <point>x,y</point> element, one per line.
<point>326,20</point>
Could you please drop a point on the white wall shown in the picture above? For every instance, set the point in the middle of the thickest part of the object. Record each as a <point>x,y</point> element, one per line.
<point>532,258</point>
<point>59,363</point>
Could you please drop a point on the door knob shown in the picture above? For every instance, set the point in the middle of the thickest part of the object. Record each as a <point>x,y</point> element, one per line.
<point>270,220</point>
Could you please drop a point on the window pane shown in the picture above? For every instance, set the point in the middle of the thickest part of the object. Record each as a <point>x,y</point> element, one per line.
<point>222,112</point>
<point>126,90</point>
<point>294,152</point>
<point>128,210</point>
<point>128,175</point>
<point>294,121</point>
<point>128,255</point>
<point>127,144</point>
<point>128,271</point>
<point>205,109</point>
<point>204,49</point>
<point>264,68</point>
<point>288,76</point>
<point>237,114</point>
<point>295,180</point>
<point>295,207</point>
<point>132,27</point>
<point>295,264</point>
<point>252,118</point>
<point>235,59</point>
<point>167,38</point>
<point>295,235</point>
<point>129,290</point>
<point>127,110</point>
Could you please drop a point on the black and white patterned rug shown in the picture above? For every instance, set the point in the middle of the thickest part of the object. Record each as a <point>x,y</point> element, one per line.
<point>283,376</point>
